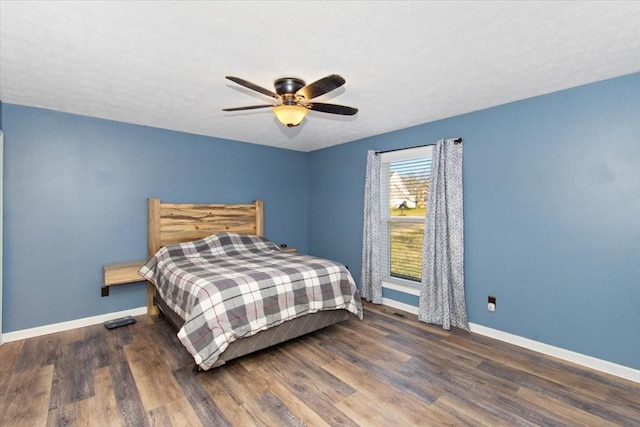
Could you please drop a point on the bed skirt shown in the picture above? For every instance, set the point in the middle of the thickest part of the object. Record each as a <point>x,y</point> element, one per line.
<point>272,336</point>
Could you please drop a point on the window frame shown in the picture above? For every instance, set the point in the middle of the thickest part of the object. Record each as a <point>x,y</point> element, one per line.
<point>386,159</point>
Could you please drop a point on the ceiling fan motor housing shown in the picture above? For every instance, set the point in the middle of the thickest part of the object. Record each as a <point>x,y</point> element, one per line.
<point>288,85</point>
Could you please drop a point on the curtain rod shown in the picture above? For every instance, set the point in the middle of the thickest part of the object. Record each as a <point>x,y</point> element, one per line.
<point>455,141</point>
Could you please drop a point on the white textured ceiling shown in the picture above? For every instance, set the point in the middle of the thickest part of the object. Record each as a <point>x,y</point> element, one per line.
<point>163,64</point>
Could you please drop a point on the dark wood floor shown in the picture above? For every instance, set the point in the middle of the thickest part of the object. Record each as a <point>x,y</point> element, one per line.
<point>383,371</point>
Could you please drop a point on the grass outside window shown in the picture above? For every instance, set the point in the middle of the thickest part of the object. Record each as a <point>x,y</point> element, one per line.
<point>406,250</point>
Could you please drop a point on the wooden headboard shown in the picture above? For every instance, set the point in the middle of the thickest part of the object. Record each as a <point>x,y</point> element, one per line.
<point>171,223</point>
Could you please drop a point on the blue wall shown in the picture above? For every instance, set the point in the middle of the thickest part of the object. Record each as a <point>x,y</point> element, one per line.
<point>75,198</point>
<point>552,201</point>
<point>552,214</point>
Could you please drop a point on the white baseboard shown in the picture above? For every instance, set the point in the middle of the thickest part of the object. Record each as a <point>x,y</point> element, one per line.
<point>72,324</point>
<point>568,355</point>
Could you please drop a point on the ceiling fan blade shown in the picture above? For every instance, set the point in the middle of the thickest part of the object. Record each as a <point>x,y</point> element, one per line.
<point>251,107</point>
<point>322,86</point>
<point>253,86</point>
<point>332,108</point>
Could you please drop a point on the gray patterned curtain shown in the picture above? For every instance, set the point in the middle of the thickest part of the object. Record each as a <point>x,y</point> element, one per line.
<point>442,299</point>
<point>370,277</point>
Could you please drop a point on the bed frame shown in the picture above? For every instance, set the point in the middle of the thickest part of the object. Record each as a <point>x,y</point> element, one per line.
<point>171,223</point>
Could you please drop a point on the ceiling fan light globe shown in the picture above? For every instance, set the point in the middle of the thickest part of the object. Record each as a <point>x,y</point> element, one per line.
<point>290,115</point>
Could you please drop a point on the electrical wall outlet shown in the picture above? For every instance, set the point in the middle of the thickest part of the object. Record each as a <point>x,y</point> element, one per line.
<point>491,306</point>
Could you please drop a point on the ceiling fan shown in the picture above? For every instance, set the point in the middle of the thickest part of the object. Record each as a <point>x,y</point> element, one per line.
<point>295,96</point>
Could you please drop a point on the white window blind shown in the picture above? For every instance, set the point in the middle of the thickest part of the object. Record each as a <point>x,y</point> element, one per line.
<point>404,182</point>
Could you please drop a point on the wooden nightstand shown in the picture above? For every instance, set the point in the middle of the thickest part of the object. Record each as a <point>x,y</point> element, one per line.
<point>119,273</point>
<point>291,250</point>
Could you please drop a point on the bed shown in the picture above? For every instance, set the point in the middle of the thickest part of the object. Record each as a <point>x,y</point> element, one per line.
<point>228,290</point>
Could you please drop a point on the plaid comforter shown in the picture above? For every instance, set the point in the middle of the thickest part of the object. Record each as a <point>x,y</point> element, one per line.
<point>229,286</point>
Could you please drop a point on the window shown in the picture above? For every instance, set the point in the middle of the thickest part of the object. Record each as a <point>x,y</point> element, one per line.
<point>404,189</point>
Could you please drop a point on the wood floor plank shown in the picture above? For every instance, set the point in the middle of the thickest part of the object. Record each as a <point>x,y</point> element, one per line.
<point>364,412</point>
<point>26,401</point>
<point>305,371</point>
<point>9,354</point>
<point>84,412</point>
<point>296,406</point>
<point>73,372</point>
<point>616,415</point>
<point>229,407</point>
<point>316,390</point>
<point>561,410</point>
<point>106,407</point>
<point>617,384</point>
<point>128,402</point>
<point>78,353</point>
<point>176,413</point>
<point>448,382</point>
<point>380,368</point>
<point>264,404</point>
<point>370,347</point>
<point>587,385</point>
<point>253,361</point>
<point>240,383</point>
<point>39,351</point>
<point>111,343</point>
<point>171,349</point>
<point>474,414</point>
<point>457,372</point>
<point>204,407</point>
<point>277,412</point>
<point>557,373</point>
<point>367,412</point>
<point>492,353</point>
<point>419,346</point>
<point>503,346</point>
<point>387,398</point>
<point>159,417</point>
<point>307,350</point>
<point>377,317</point>
<point>61,416</point>
<point>154,380</point>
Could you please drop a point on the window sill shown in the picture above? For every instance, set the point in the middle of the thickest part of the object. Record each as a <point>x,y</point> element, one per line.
<point>407,288</point>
